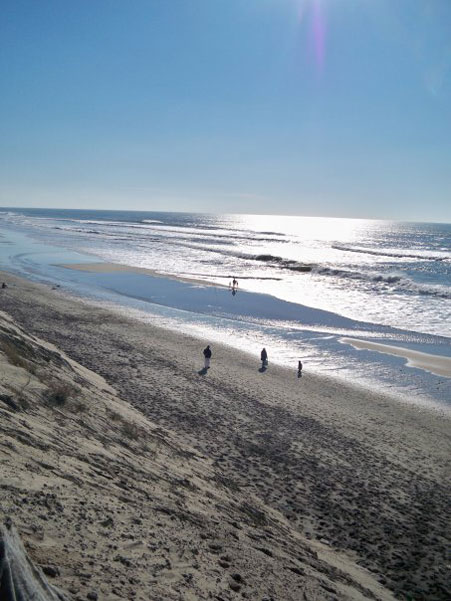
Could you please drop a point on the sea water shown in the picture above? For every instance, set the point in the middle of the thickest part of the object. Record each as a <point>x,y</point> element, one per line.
<point>304,283</point>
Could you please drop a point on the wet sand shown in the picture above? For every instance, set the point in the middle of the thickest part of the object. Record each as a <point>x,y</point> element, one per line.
<point>118,268</point>
<point>316,489</point>
<point>436,364</point>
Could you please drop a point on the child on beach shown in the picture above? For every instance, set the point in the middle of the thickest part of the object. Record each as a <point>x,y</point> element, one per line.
<point>207,355</point>
<point>264,358</point>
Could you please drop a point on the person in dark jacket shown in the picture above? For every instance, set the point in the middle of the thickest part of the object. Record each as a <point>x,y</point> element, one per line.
<point>264,358</point>
<point>207,355</point>
<point>299,369</point>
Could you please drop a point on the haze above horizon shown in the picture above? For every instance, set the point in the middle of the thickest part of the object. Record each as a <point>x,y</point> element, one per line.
<point>299,107</point>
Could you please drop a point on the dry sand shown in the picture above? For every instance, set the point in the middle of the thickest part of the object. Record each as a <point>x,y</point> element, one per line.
<point>152,481</point>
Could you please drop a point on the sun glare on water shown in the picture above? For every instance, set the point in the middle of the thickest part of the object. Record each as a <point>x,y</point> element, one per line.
<point>311,228</point>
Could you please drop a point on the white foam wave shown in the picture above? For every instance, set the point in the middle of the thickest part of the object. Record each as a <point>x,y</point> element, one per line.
<point>395,253</point>
<point>397,281</point>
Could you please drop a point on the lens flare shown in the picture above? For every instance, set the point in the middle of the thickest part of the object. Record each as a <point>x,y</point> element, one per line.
<point>312,11</point>
<point>319,33</point>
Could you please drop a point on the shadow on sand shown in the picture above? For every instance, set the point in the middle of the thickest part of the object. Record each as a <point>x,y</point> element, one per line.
<point>262,369</point>
<point>203,371</point>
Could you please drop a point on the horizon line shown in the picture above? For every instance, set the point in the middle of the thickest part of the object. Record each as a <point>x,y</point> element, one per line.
<point>386,219</point>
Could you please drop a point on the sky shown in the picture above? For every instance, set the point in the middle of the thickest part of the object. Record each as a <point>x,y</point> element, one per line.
<point>298,107</point>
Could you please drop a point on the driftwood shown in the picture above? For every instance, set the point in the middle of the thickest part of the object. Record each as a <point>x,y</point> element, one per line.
<point>20,579</point>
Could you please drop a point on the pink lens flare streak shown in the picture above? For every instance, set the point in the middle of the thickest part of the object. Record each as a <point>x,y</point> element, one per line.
<point>311,12</point>
<point>319,34</point>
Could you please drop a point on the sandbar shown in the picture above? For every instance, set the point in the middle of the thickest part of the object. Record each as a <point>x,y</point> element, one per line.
<point>118,267</point>
<point>436,364</point>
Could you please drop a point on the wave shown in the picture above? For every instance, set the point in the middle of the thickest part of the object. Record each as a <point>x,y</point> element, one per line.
<point>212,233</point>
<point>206,234</point>
<point>196,234</point>
<point>273,234</point>
<point>394,253</point>
<point>290,264</point>
<point>399,282</point>
<point>101,233</point>
<point>100,222</point>
<point>277,261</point>
<point>162,229</point>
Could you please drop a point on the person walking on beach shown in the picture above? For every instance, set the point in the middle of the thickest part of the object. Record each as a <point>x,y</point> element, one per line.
<point>299,369</point>
<point>207,355</point>
<point>264,358</point>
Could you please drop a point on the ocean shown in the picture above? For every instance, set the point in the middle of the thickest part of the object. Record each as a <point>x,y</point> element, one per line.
<point>305,284</point>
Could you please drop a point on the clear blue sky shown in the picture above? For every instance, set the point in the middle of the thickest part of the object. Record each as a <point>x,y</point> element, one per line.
<point>307,107</point>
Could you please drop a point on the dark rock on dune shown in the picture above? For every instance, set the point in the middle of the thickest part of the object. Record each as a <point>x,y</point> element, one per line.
<point>267,552</point>
<point>215,547</point>
<point>235,586</point>
<point>51,571</point>
<point>9,402</point>
<point>296,570</point>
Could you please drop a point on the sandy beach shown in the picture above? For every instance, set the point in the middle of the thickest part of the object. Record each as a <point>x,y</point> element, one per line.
<point>152,479</point>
